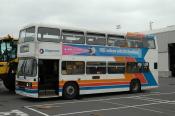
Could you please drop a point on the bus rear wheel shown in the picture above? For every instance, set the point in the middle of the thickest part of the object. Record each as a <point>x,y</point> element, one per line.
<point>135,86</point>
<point>70,91</point>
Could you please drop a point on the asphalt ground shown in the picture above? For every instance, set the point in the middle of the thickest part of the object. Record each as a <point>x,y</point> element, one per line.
<point>157,102</point>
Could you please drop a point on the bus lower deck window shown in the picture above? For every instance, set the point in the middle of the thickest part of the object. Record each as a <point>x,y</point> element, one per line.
<point>96,67</point>
<point>73,67</point>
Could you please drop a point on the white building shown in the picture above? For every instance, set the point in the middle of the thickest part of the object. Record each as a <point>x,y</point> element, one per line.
<point>166,44</point>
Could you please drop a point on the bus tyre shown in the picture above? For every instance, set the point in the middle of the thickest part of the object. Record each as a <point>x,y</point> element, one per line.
<point>9,83</point>
<point>135,86</point>
<point>70,91</point>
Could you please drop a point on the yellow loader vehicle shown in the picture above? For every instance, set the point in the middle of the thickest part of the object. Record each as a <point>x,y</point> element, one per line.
<point>8,61</point>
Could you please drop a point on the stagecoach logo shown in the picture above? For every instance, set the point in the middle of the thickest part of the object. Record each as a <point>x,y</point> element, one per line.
<point>42,51</point>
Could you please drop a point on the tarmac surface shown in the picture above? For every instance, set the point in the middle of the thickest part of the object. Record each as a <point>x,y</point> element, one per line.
<point>157,102</point>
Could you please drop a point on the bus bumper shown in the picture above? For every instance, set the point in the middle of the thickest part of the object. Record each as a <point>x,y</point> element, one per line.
<point>26,92</point>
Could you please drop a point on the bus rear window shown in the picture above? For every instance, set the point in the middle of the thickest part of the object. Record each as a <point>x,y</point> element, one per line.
<point>48,34</point>
<point>149,43</point>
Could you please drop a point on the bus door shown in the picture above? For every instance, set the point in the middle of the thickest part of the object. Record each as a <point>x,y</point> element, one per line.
<point>48,77</point>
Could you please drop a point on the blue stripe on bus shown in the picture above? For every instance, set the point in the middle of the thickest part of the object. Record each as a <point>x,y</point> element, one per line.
<point>144,51</point>
<point>104,87</point>
<point>100,87</point>
<point>150,78</point>
<point>108,87</point>
<point>27,90</point>
<point>140,60</point>
<point>148,75</point>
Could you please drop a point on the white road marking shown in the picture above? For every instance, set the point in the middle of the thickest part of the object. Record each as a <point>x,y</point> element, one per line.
<point>166,110</point>
<point>108,109</point>
<point>150,99</point>
<point>134,107</point>
<point>39,112</point>
<point>106,99</point>
<point>16,112</point>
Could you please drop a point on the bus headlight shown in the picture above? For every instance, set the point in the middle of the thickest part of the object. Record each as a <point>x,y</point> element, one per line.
<point>29,84</point>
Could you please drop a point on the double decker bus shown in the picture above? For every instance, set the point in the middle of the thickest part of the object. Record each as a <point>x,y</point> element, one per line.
<point>59,61</point>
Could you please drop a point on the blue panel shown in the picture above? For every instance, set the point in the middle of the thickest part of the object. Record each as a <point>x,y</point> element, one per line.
<point>103,87</point>
<point>144,51</point>
<point>27,90</point>
<point>150,78</point>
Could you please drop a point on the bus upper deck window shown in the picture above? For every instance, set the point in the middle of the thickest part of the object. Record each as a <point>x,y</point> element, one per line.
<point>49,34</point>
<point>73,39</point>
<point>73,36</point>
<point>95,38</point>
<point>135,42</point>
<point>30,34</point>
<point>149,43</point>
<point>27,34</point>
<point>116,40</point>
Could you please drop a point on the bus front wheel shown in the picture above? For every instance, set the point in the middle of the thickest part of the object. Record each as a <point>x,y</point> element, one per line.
<point>70,91</point>
<point>135,86</point>
<point>9,83</point>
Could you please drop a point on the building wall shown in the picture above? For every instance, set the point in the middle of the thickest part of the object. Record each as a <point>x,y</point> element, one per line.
<point>163,39</point>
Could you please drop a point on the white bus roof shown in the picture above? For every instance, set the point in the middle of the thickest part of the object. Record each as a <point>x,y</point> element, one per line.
<point>73,28</point>
<point>165,29</point>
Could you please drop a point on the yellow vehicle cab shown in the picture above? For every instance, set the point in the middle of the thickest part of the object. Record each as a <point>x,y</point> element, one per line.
<point>8,61</point>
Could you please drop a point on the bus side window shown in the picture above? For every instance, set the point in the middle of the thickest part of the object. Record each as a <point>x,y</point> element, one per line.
<point>73,67</point>
<point>137,67</point>
<point>73,36</point>
<point>95,38</point>
<point>135,44</point>
<point>116,68</point>
<point>134,67</point>
<point>116,40</point>
<point>46,34</point>
<point>96,68</point>
<point>73,39</point>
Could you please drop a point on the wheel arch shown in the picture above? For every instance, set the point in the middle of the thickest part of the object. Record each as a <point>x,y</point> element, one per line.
<point>133,81</point>
<point>72,82</point>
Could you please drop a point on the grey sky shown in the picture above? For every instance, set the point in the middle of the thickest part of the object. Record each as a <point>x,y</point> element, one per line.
<point>132,15</point>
